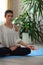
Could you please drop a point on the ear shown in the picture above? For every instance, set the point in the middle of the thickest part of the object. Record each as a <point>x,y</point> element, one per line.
<point>16,28</point>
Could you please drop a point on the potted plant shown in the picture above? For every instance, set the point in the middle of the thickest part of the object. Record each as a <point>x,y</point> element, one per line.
<point>30,20</point>
<point>23,24</point>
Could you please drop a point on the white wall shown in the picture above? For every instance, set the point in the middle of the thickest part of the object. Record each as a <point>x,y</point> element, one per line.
<point>17,5</point>
<point>3,7</point>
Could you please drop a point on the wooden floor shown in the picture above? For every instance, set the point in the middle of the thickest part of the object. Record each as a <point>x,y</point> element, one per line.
<point>22,61</point>
<point>38,60</point>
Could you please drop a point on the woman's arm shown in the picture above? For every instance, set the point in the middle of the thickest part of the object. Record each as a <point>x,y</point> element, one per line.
<point>19,41</point>
<point>28,46</point>
<point>1,45</point>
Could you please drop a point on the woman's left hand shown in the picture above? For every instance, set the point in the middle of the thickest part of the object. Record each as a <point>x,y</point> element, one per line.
<point>31,47</point>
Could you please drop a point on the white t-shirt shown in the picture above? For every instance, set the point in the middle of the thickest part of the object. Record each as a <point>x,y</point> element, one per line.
<point>8,37</point>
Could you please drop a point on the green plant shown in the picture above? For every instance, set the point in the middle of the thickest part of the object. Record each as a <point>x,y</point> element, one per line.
<point>30,20</point>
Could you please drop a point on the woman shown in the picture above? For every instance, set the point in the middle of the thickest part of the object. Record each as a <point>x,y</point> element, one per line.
<point>10,43</point>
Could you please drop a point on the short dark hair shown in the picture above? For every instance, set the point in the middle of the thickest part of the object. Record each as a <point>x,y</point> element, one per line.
<point>8,11</point>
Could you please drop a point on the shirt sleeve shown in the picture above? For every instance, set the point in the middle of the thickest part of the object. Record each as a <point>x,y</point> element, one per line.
<point>0,34</point>
<point>17,37</point>
<point>1,45</point>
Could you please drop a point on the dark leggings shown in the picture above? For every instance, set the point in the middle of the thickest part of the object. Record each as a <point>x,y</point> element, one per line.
<point>4,51</point>
<point>20,51</point>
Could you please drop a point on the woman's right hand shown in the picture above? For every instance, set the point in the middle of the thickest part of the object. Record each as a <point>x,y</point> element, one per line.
<point>13,47</point>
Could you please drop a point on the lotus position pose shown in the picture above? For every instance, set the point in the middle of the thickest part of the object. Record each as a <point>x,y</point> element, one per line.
<point>10,43</point>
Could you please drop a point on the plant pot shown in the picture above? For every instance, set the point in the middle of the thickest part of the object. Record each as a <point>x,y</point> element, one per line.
<point>26,38</point>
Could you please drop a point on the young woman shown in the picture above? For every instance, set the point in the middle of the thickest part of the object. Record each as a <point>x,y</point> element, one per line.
<point>10,43</point>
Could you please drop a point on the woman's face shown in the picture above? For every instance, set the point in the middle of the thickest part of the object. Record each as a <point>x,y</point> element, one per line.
<point>9,17</point>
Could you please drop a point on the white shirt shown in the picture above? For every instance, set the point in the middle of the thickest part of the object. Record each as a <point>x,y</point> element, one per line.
<point>8,37</point>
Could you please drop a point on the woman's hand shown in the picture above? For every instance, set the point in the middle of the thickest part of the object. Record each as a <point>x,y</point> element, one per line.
<point>13,47</point>
<point>31,47</point>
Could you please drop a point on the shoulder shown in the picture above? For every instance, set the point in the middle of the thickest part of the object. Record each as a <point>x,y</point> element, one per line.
<point>16,27</point>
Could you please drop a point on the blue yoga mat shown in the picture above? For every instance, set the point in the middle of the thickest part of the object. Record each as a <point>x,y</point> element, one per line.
<point>38,52</point>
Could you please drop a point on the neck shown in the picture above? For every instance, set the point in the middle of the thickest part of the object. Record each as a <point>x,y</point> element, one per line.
<point>8,23</point>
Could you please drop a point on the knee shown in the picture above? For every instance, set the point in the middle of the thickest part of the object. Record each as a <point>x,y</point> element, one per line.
<point>28,50</point>
<point>4,51</point>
